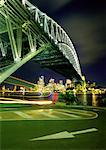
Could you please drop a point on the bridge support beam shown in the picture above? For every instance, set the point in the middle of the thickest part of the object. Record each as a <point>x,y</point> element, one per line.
<point>15,66</point>
<point>12,39</point>
<point>2,48</point>
<point>32,41</point>
<point>19,41</point>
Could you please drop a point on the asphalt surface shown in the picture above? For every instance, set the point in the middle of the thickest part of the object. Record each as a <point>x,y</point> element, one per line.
<point>35,122</point>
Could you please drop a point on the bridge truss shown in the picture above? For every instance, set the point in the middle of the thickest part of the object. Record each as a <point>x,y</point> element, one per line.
<point>27,34</point>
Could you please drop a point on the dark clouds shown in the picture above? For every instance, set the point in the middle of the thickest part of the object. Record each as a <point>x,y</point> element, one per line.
<point>50,6</point>
<point>87,34</point>
<point>85,23</point>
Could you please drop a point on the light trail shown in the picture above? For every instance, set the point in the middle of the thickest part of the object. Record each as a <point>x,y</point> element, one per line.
<point>27,102</point>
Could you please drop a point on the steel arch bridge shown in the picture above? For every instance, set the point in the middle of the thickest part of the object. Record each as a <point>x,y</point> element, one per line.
<point>27,34</point>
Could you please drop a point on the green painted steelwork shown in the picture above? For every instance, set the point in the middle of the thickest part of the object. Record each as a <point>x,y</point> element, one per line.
<point>15,66</point>
<point>12,39</point>
<point>19,82</point>
<point>26,30</point>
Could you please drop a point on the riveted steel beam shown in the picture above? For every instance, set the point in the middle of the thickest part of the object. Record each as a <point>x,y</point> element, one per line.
<point>2,48</point>
<point>12,38</point>
<point>32,41</point>
<point>8,71</point>
<point>19,41</point>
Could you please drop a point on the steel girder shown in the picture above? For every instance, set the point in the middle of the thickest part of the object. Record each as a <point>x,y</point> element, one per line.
<point>28,31</point>
<point>56,33</point>
<point>19,82</point>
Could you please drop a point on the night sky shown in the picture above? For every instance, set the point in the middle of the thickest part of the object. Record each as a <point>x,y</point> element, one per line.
<point>85,23</point>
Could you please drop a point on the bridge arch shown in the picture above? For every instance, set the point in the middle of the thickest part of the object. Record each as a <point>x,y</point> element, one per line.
<point>22,23</point>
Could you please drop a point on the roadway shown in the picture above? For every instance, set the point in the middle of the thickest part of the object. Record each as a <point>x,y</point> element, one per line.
<point>74,127</point>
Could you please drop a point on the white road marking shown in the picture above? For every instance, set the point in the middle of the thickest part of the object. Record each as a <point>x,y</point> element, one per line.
<point>63,135</point>
<point>23,115</point>
<point>49,115</point>
<point>80,112</point>
<point>67,114</point>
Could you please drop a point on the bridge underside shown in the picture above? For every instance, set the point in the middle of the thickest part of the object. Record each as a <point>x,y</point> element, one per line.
<point>54,60</point>
<point>26,33</point>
